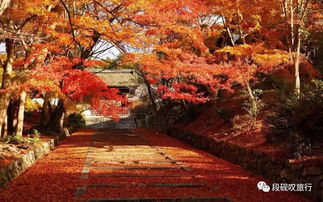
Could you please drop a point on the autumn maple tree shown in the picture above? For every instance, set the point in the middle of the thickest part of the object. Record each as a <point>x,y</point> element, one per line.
<point>186,51</point>
<point>56,47</point>
<point>182,58</point>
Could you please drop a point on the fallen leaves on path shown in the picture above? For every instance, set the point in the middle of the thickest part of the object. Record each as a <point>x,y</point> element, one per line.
<point>53,178</point>
<point>57,176</point>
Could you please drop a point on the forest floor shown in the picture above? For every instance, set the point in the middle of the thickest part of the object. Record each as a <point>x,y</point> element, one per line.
<point>232,125</point>
<point>134,164</point>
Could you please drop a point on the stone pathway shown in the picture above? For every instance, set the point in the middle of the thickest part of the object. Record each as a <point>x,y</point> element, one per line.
<point>123,165</point>
<point>134,165</point>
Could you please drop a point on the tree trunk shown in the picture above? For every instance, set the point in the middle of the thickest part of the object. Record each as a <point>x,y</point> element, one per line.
<point>61,122</point>
<point>151,98</point>
<point>4,4</point>
<point>227,28</point>
<point>55,122</point>
<point>6,81</point>
<point>152,101</point>
<point>5,129</point>
<point>11,116</point>
<point>45,114</point>
<point>251,96</point>
<point>14,116</point>
<point>239,24</point>
<point>21,111</point>
<point>296,65</point>
<point>294,20</point>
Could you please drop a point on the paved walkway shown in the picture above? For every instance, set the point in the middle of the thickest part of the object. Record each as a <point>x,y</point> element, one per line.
<point>133,165</point>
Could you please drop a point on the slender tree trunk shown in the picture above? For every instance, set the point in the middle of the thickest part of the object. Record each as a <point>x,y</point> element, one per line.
<point>62,122</point>
<point>292,31</point>
<point>45,114</point>
<point>285,11</point>
<point>151,98</point>
<point>14,116</point>
<point>227,28</point>
<point>5,129</point>
<point>239,17</point>
<point>296,65</point>
<point>230,35</point>
<point>294,17</point>
<point>302,12</point>
<point>11,116</point>
<point>4,4</point>
<point>297,79</point>
<point>152,101</point>
<point>21,111</point>
<point>251,96</point>
<point>6,81</point>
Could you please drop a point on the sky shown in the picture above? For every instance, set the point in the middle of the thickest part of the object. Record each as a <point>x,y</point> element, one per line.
<point>105,50</point>
<point>111,53</point>
<point>2,48</point>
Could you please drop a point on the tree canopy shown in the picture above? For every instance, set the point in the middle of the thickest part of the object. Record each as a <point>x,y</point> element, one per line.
<point>185,50</point>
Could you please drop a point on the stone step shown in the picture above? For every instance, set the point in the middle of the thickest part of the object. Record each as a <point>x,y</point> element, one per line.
<point>204,199</point>
<point>138,175</point>
<point>135,180</point>
<point>143,191</point>
<point>168,171</point>
<point>146,185</point>
<point>135,167</point>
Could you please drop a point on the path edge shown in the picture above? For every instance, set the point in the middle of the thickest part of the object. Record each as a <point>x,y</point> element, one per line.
<point>20,165</point>
<point>258,163</point>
